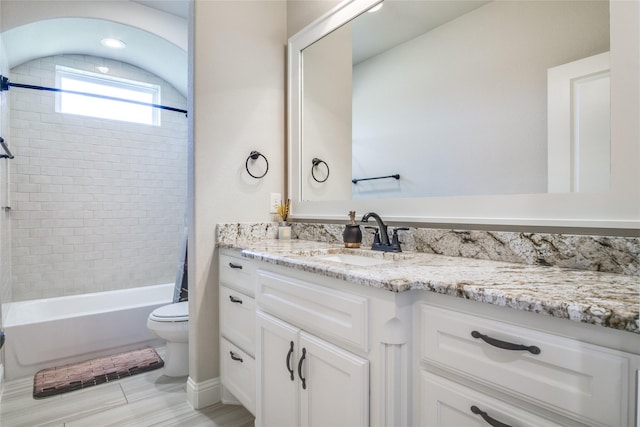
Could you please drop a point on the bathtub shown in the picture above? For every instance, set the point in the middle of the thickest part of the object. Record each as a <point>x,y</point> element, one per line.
<point>56,331</point>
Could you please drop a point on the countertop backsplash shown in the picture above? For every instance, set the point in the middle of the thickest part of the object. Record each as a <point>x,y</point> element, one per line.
<point>611,254</point>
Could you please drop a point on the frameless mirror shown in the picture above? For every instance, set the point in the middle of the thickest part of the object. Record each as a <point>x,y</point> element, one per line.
<point>469,111</point>
<point>441,98</point>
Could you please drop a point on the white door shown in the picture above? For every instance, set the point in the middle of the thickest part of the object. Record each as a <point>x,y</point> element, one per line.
<point>579,136</point>
<point>334,385</point>
<point>277,388</point>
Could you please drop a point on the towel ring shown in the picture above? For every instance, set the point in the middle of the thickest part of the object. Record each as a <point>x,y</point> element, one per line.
<point>254,155</point>
<point>315,162</point>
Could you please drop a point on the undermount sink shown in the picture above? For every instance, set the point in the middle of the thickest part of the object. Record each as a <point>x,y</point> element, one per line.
<point>359,260</point>
<point>354,257</point>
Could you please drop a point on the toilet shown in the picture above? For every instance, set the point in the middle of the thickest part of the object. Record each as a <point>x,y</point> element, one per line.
<point>171,323</point>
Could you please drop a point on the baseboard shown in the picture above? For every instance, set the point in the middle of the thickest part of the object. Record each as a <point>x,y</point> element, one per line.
<point>205,393</point>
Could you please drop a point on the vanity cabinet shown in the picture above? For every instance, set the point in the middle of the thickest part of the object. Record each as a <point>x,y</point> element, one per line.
<point>501,368</point>
<point>237,329</point>
<point>304,379</point>
<point>300,348</point>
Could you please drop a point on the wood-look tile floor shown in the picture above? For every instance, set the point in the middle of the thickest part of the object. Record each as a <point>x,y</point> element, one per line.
<point>148,399</point>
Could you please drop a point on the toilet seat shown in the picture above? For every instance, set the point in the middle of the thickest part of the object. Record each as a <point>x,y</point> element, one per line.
<point>178,312</point>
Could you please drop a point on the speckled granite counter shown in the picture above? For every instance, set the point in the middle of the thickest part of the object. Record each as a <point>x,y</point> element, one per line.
<point>606,299</point>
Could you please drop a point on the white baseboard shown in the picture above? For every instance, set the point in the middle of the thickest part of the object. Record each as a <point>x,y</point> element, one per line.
<point>205,393</point>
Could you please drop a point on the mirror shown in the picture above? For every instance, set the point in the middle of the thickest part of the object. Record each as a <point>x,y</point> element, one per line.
<point>480,108</point>
<point>450,98</point>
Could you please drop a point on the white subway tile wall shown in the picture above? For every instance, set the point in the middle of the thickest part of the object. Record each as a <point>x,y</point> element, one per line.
<point>96,204</point>
<point>5,230</point>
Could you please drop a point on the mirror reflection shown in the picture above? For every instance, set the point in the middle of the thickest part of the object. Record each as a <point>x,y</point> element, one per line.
<point>459,98</point>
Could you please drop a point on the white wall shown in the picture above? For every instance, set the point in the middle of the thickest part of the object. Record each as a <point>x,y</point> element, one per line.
<point>96,204</point>
<point>157,41</point>
<point>468,116</point>
<point>301,13</point>
<point>238,106</point>
<point>170,27</point>
<point>326,117</point>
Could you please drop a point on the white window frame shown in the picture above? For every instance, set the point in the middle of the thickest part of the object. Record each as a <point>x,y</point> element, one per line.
<point>108,81</point>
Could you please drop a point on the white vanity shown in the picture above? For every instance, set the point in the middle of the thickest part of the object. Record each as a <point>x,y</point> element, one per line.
<point>307,339</point>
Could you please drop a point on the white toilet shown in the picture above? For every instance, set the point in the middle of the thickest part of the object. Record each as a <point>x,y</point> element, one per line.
<point>171,323</point>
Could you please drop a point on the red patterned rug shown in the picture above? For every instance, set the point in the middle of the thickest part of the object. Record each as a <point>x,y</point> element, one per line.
<point>52,381</point>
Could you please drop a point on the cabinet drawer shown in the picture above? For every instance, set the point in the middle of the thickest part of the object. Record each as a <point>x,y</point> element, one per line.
<point>582,381</point>
<point>444,403</point>
<point>237,273</point>
<point>324,311</point>
<point>238,319</point>
<point>238,374</point>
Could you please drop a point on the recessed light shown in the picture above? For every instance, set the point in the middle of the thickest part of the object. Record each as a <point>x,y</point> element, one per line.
<point>103,69</point>
<point>113,43</point>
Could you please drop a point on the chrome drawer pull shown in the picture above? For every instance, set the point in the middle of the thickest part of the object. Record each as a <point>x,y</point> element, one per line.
<point>289,368</point>
<point>235,300</point>
<point>491,421</point>
<point>232,265</point>
<point>505,345</point>
<point>235,357</point>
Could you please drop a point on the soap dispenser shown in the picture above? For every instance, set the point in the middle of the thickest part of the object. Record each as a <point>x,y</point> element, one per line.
<point>352,234</point>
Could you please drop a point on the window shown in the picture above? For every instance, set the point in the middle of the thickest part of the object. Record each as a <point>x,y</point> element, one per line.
<point>84,81</point>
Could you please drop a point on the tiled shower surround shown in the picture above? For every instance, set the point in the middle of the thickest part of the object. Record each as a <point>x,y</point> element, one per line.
<point>96,204</point>
<point>5,231</point>
<point>610,254</point>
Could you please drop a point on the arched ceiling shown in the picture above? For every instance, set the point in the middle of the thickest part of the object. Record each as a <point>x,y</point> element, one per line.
<point>156,39</point>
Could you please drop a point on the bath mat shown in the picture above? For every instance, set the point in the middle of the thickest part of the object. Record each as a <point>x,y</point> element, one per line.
<point>52,381</point>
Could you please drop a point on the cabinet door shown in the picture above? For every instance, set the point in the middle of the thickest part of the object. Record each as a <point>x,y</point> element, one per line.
<point>277,390</point>
<point>334,385</point>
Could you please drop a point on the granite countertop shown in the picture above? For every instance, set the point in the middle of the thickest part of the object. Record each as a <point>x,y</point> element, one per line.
<point>606,299</point>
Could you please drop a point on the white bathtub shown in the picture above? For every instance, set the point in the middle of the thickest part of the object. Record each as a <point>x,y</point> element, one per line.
<point>56,331</point>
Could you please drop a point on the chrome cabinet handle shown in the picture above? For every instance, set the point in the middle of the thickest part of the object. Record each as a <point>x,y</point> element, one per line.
<point>504,344</point>
<point>235,300</point>
<point>232,265</point>
<point>289,368</point>
<point>235,357</point>
<point>304,381</point>
<point>491,421</point>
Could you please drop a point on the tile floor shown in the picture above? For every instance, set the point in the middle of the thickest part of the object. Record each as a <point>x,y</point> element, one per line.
<point>148,399</point>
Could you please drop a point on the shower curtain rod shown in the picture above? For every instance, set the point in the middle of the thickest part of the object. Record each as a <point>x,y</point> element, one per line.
<point>5,84</point>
